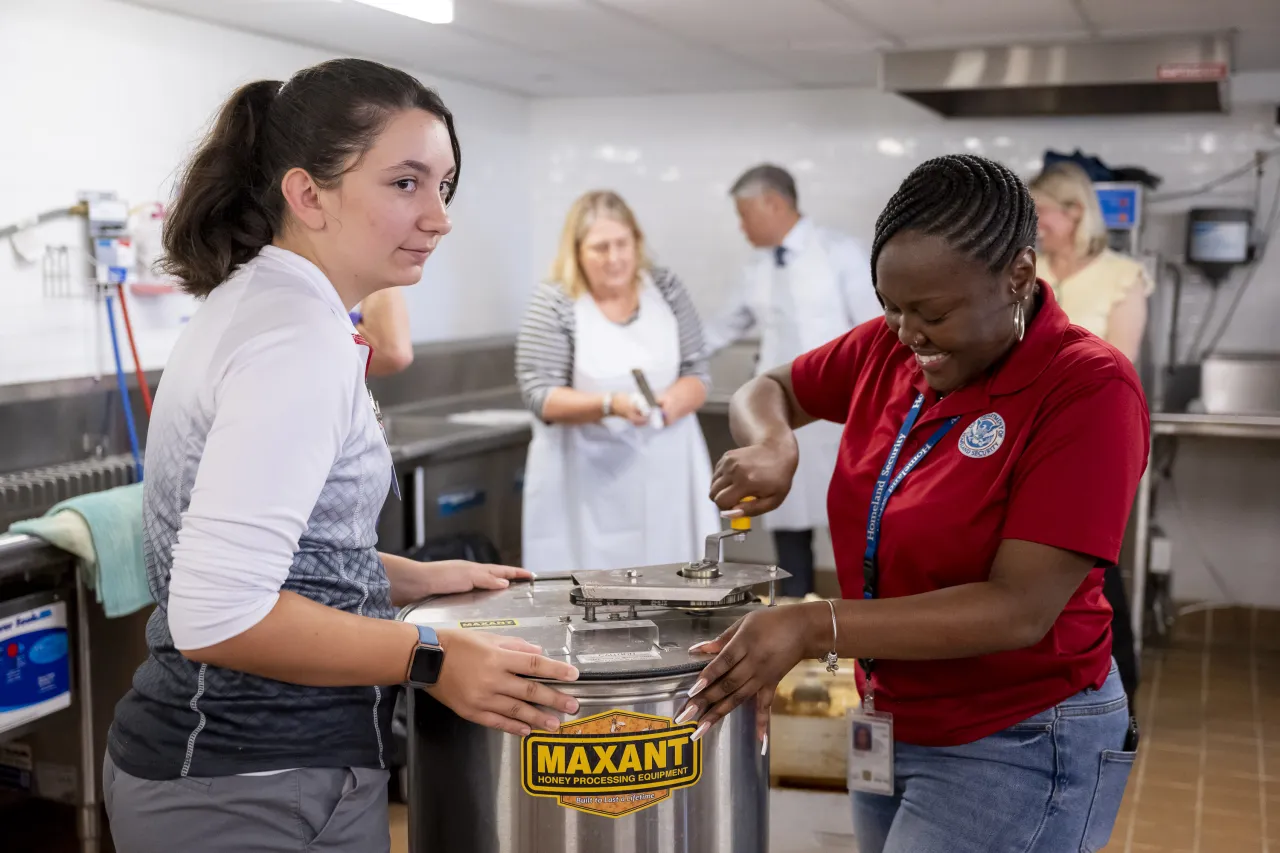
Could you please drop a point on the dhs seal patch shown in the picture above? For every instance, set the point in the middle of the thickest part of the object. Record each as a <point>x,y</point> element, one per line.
<point>983,437</point>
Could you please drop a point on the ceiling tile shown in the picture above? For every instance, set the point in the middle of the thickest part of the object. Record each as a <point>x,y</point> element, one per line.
<point>363,31</point>
<point>758,23</point>
<point>607,36</point>
<point>553,26</point>
<point>952,23</point>
<point>1153,16</point>
<point>1255,22</point>
<point>823,68</point>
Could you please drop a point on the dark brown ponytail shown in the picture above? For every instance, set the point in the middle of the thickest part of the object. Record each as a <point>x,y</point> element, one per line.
<point>218,222</point>
<point>228,203</point>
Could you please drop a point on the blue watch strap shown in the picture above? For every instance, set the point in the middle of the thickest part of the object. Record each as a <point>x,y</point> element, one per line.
<point>427,636</point>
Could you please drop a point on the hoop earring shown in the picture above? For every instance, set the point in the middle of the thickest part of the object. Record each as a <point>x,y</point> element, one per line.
<point>1019,321</point>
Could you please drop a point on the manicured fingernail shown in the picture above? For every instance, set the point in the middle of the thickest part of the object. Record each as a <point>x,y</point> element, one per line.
<point>524,731</point>
<point>572,706</point>
<point>504,582</point>
<point>697,646</point>
<point>731,513</point>
<point>689,712</point>
<point>697,687</point>
<point>764,746</point>
<point>699,732</point>
<point>552,724</point>
<point>574,677</point>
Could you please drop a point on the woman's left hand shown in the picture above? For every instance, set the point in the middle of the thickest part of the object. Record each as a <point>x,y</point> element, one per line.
<point>751,658</point>
<point>450,576</point>
<point>673,408</point>
<point>684,397</point>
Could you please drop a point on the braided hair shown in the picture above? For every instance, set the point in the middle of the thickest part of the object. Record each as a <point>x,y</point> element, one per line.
<point>978,206</point>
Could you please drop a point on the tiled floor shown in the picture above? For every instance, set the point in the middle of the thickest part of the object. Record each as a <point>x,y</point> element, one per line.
<point>399,829</point>
<point>1207,779</point>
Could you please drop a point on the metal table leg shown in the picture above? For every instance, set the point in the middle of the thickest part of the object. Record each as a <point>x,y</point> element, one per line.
<point>88,824</point>
<point>1141,544</point>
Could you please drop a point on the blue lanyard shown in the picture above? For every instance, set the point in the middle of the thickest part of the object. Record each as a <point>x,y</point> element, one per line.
<point>887,484</point>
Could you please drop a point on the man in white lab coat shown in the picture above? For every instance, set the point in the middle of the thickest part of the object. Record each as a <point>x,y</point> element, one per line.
<point>803,286</point>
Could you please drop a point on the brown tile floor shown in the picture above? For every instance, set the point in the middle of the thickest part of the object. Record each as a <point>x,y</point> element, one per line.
<point>1207,779</point>
<point>399,829</point>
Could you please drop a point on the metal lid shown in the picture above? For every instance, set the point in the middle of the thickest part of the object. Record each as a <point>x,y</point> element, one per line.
<point>626,636</point>
<point>618,623</point>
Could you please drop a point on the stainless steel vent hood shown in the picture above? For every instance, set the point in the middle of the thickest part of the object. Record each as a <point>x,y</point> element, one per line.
<point>1184,74</point>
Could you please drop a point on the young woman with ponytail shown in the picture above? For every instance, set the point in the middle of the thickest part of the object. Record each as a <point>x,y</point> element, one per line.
<point>260,719</point>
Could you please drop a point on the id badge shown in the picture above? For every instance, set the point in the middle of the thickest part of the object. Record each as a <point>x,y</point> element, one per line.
<point>870,752</point>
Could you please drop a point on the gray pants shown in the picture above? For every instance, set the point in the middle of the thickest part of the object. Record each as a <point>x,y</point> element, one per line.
<point>314,810</point>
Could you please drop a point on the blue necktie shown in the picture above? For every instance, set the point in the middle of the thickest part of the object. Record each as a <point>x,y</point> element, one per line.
<point>779,256</point>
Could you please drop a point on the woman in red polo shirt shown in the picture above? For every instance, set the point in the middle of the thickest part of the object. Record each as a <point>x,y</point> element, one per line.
<point>989,459</point>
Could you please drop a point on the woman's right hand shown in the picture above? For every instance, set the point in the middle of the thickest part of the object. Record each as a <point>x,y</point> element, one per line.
<point>481,682</point>
<point>763,471</point>
<point>625,406</point>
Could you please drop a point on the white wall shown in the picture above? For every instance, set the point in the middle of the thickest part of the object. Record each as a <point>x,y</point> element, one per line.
<point>101,95</point>
<point>674,158</point>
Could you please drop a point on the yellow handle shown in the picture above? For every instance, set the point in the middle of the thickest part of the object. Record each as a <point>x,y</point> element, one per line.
<point>743,522</point>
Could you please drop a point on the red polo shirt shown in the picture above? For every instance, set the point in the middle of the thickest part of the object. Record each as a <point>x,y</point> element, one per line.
<point>1062,471</point>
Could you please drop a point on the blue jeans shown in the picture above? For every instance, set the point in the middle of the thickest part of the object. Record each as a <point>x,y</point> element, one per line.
<point>1050,784</point>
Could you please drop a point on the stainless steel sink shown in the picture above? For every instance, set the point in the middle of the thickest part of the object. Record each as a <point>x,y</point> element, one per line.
<point>443,408</point>
<point>410,429</point>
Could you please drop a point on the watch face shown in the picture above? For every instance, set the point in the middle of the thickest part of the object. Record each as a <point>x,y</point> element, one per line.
<point>426,665</point>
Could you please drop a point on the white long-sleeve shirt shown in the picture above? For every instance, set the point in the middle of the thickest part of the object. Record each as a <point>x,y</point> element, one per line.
<point>263,403</point>
<point>266,472</point>
<point>852,266</point>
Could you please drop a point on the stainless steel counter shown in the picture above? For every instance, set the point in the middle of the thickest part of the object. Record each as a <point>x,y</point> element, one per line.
<point>1216,426</point>
<point>424,431</point>
<point>21,554</point>
<point>1164,426</point>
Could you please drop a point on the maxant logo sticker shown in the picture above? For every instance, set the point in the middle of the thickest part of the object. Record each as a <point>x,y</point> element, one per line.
<point>611,764</point>
<point>489,623</point>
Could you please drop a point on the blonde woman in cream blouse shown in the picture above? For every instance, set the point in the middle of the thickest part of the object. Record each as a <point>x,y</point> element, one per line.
<point>1101,290</point>
<point>1105,292</point>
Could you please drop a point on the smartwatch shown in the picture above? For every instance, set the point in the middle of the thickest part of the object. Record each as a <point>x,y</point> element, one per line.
<point>426,659</point>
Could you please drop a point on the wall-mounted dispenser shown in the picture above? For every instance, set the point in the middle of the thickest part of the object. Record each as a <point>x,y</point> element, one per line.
<point>1218,240</point>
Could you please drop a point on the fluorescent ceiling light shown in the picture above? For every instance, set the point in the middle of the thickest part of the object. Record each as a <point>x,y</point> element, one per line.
<point>431,11</point>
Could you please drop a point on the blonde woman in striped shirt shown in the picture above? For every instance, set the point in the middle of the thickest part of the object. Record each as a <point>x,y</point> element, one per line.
<point>612,481</point>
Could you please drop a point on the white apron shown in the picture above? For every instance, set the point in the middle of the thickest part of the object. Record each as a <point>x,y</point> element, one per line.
<point>800,307</point>
<point>611,495</point>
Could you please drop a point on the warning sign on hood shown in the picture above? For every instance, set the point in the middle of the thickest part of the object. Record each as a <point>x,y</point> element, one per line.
<point>611,764</point>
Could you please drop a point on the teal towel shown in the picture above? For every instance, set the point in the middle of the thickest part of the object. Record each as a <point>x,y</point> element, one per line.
<point>103,529</point>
